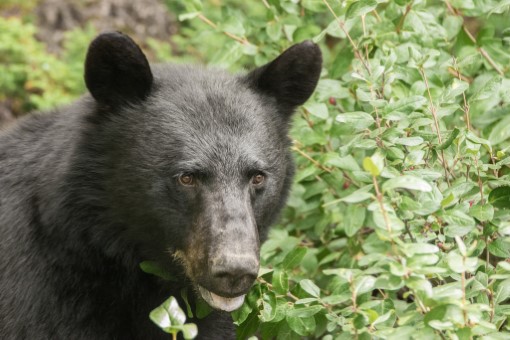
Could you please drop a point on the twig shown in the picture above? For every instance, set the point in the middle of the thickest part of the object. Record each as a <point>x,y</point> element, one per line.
<point>433,110</point>
<point>379,198</point>
<point>379,141</point>
<point>463,287</point>
<point>480,49</point>
<point>409,232</point>
<point>466,105</point>
<point>341,24</point>
<point>305,155</point>
<point>376,15</point>
<point>487,254</point>
<point>480,183</point>
<point>289,294</point>
<point>269,7</point>
<point>243,41</point>
<point>490,61</point>
<point>353,295</point>
<point>459,75</point>
<point>266,4</point>
<point>403,18</point>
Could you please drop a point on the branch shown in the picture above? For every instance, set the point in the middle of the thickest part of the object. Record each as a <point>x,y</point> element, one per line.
<point>433,110</point>
<point>240,40</point>
<point>403,18</point>
<point>341,24</point>
<point>480,49</point>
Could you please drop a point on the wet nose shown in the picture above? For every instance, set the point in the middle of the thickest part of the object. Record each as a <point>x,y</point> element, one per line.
<point>234,275</point>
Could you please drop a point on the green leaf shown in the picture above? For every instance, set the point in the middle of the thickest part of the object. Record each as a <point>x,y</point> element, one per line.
<point>488,90</point>
<point>188,16</point>
<point>447,200</point>
<point>229,56</point>
<point>502,292</point>
<point>274,30</point>
<point>359,195</point>
<point>241,314</point>
<point>420,248</point>
<point>293,258</point>
<point>268,311</point>
<point>356,120</point>
<point>345,163</point>
<point>300,325</point>
<point>354,218</point>
<point>482,213</point>
<point>500,197</point>
<point>453,25</point>
<point>305,301</point>
<point>459,263</point>
<point>168,315</point>
<point>319,110</point>
<point>154,268</point>
<point>374,165</point>
<point>459,223</point>
<point>202,309</point>
<point>407,182</point>
<point>500,132</point>
<point>443,313</point>
<point>233,25</point>
<point>363,284</point>
<point>461,246</point>
<point>383,318</point>
<point>450,140</point>
<point>369,165</point>
<point>184,296</point>
<point>327,88</point>
<point>408,141</point>
<point>304,312</point>
<point>406,105</point>
<point>500,248</point>
<point>280,281</point>
<point>310,287</point>
<point>189,331</point>
<point>360,8</point>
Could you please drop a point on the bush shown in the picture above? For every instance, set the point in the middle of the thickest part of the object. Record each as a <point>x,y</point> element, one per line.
<point>398,224</point>
<point>34,79</point>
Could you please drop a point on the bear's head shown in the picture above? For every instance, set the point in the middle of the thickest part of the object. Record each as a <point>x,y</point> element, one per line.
<point>196,162</point>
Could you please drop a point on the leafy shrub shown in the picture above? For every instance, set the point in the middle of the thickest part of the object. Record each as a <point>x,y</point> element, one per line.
<point>398,223</point>
<point>31,77</point>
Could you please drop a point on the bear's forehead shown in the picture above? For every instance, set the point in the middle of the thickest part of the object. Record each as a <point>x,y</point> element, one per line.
<point>214,146</point>
<point>214,120</point>
<point>211,103</point>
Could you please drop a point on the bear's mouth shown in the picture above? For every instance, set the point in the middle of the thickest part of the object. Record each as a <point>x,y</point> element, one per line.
<point>220,302</point>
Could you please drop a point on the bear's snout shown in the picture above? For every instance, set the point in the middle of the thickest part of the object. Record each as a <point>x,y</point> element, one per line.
<point>234,274</point>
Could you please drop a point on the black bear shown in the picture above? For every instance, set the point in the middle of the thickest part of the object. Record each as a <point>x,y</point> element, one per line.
<point>179,165</point>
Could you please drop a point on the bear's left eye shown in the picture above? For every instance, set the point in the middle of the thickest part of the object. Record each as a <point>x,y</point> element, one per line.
<point>187,180</point>
<point>258,179</point>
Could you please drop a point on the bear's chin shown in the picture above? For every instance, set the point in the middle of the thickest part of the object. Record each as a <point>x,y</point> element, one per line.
<point>220,302</point>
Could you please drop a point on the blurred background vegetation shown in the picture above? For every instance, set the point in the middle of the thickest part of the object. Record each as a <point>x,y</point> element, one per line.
<point>398,224</point>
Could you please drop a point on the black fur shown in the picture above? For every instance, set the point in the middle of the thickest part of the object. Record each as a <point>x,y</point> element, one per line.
<point>85,196</point>
<point>292,77</point>
<point>116,70</point>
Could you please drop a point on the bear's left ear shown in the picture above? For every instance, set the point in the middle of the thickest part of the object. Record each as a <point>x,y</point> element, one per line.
<point>292,77</point>
<point>116,70</point>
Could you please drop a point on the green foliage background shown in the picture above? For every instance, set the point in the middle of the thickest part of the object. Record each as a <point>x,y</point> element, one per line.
<point>398,225</point>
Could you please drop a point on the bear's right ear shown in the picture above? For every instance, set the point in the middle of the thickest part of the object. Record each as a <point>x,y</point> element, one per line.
<point>291,78</point>
<point>116,70</point>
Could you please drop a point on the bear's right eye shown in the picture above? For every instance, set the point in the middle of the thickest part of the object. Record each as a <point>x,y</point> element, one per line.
<point>187,180</point>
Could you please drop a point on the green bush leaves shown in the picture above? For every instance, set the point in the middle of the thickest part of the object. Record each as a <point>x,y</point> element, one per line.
<point>398,224</point>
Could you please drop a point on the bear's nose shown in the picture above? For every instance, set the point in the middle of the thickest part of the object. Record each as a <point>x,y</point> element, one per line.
<point>234,275</point>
